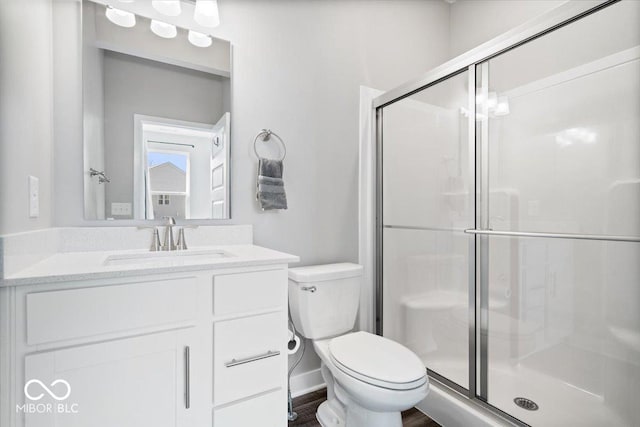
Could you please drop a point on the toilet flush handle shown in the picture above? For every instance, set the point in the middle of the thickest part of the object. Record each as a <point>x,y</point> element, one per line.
<point>308,288</point>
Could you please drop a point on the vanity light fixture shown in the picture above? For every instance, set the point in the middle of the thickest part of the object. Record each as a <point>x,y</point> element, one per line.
<point>199,39</point>
<point>206,13</point>
<point>167,7</point>
<point>164,30</point>
<point>120,17</point>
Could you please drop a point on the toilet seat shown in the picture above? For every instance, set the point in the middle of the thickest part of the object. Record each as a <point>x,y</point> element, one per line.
<point>377,361</point>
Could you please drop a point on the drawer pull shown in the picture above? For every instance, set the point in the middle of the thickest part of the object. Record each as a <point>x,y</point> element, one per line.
<point>235,362</point>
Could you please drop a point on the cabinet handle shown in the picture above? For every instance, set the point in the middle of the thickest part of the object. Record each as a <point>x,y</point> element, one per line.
<point>187,378</point>
<point>235,362</point>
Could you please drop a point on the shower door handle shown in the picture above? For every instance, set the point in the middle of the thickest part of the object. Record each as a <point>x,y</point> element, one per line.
<point>604,237</point>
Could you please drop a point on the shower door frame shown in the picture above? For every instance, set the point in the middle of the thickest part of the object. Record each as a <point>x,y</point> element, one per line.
<point>478,144</point>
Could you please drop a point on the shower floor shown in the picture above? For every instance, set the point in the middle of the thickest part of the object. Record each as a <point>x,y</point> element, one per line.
<point>560,403</point>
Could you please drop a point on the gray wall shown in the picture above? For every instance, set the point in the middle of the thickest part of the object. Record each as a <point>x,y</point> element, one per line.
<point>139,86</point>
<point>473,22</point>
<point>92,110</point>
<point>26,111</point>
<point>297,70</point>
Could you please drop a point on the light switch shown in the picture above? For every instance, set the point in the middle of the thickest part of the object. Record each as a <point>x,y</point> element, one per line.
<point>34,197</point>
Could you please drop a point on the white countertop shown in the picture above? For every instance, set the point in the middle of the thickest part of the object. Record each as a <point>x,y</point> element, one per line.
<point>70,266</point>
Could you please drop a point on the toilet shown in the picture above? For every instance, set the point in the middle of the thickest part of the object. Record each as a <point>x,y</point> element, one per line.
<point>370,379</point>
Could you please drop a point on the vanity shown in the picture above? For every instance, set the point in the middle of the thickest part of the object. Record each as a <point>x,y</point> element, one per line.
<point>128,337</point>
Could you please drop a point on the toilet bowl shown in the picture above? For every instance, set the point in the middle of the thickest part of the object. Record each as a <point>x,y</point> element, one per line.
<point>370,379</point>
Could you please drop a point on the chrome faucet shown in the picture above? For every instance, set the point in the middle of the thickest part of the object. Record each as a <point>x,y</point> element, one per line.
<point>181,245</point>
<point>169,242</point>
<point>155,241</point>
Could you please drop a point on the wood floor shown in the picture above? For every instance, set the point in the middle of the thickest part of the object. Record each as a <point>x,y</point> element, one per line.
<point>307,405</point>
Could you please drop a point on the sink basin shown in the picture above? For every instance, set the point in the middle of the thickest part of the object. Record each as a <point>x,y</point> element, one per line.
<point>166,258</point>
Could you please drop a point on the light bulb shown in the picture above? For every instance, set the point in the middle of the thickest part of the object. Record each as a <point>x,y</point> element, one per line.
<point>206,13</point>
<point>167,7</point>
<point>502,107</point>
<point>120,17</point>
<point>164,30</point>
<point>199,39</point>
<point>492,101</point>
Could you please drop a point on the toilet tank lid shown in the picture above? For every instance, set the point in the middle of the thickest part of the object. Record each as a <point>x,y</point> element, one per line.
<point>319,273</point>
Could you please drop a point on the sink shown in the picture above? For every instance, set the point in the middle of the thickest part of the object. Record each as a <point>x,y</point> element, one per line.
<point>172,258</point>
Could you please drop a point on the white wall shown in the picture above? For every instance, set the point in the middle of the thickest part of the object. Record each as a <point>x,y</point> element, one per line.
<point>26,122</point>
<point>473,22</point>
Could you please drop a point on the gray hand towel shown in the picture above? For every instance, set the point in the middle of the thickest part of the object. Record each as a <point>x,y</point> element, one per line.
<point>271,193</point>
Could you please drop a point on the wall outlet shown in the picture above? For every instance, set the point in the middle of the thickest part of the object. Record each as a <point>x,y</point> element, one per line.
<point>34,197</point>
<point>121,209</point>
<point>533,207</point>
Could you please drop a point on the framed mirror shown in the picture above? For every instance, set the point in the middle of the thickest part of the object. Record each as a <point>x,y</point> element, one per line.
<point>156,115</point>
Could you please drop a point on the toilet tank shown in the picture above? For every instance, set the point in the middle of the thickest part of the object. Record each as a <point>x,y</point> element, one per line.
<point>324,299</point>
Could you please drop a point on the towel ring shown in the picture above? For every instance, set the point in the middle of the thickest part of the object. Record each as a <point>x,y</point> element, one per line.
<point>265,135</point>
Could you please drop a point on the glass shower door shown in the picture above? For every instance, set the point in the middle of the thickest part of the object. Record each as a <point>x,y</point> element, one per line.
<point>561,302</point>
<point>428,202</point>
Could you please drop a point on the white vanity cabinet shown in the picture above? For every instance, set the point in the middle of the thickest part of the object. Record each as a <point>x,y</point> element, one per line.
<point>201,348</point>
<point>249,349</point>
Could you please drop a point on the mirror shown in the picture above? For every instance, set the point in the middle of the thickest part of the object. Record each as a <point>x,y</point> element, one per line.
<point>156,117</point>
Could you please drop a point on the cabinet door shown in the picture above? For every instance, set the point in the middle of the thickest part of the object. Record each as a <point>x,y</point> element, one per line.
<point>133,382</point>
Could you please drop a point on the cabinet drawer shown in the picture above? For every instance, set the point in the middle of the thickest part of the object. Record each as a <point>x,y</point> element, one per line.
<point>242,363</point>
<point>235,293</point>
<point>76,313</point>
<point>268,410</point>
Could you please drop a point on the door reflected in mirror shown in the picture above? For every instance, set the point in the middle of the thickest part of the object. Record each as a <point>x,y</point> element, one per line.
<point>156,117</point>
<point>183,168</point>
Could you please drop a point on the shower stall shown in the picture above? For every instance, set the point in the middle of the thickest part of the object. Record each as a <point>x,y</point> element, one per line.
<point>508,219</point>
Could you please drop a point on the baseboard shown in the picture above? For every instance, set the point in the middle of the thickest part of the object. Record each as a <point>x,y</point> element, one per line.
<point>306,382</point>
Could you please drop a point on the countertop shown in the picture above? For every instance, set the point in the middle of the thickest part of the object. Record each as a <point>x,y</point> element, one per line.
<point>72,266</point>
